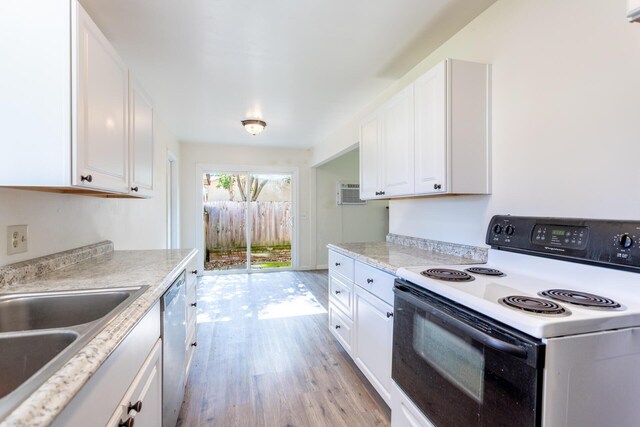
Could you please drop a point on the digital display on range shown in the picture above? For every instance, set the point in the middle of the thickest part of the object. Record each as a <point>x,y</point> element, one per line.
<point>569,237</point>
<point>557,232</point>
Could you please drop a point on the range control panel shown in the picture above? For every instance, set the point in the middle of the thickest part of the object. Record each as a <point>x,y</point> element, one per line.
<point>594,241</point>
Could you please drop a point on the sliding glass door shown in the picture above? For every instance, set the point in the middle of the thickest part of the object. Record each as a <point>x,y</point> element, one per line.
<point>247,220</point>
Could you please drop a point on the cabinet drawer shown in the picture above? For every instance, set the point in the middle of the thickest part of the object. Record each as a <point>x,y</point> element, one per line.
<point>375,281</point>
<point>342,264</point>
<point>341,293</point>
<point>191,348</point>
<point>341,327</point>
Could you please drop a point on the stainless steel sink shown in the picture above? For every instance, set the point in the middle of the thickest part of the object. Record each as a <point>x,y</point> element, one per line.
<point>21,356</point>
<point>40,332</point>
<point>27,312</point>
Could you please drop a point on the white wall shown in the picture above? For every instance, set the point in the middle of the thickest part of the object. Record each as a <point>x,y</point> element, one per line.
<point>59,222</point>
<point>343,224</point>
<point>192,155</point>
<point>566,97</point>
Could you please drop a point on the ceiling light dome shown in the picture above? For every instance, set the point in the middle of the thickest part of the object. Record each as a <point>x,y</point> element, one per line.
<point>254,126</point>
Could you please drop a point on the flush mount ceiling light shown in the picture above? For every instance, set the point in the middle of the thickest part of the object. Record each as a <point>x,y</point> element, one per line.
<point>254,126</point>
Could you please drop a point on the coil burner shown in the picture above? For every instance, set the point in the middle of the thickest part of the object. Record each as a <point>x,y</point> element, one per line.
<point>485,271</point>
<point>535,305</point>
<point>448,275</point>
<point>581,298</point>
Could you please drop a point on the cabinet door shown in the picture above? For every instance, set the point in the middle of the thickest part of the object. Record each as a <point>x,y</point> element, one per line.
<point>373,340</point>
<point>431,131</point>
<point>397,145</point>
<point>101,143</point>
<point>369,155</point>
<point>140,142</point>
<point>146,391</point>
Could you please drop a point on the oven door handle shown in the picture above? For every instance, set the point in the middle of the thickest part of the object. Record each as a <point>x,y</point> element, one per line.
<point>463,327</point>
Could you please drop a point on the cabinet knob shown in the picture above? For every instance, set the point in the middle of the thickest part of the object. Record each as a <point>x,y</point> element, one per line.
<point>337,264</point>
<point>369,280</point>
<point>194,344</point>
<point>337,326</point>
<point>194,271</point>
<point>377,193</point>
<point>87,178</point>
<point>134,189</point>
<point>126,423</point>
<point>437,186</point>
<point>389,314</point>
<point>337,292</point>
<point>135,406</point>
<point>194,304</point>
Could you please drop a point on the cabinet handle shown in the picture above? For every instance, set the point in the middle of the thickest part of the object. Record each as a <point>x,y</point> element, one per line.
<point>382,193</point>
<point>337,326</point>
<point>87,178</point>
<point>437,186</point>
<point>369,280</point>
<point>194,272</point>
<point>337,292</point>
<point>135,406</point>
<point>377,193</point>
<point>127,423</point>
<point>134,189</point>
<point>194,344</point>
<point>389,314</point>
<point>194,304</point>
<point>337,264</point>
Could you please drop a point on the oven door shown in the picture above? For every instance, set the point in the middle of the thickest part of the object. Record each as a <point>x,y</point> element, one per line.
<point>461,368</point>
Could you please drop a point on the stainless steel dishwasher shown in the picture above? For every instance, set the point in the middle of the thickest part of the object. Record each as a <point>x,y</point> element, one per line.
<point>173,350</point>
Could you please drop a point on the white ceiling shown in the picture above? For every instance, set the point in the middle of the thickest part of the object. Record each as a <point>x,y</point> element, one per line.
<point>305,66</point>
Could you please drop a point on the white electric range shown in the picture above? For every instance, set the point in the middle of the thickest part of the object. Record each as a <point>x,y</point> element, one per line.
<point>557,305</point>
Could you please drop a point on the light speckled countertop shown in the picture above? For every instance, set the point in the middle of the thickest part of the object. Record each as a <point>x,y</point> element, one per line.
<point>153,268</point>
<point>390,257</point>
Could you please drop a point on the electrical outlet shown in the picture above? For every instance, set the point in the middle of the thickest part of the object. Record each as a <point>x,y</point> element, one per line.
<point>18,239</point>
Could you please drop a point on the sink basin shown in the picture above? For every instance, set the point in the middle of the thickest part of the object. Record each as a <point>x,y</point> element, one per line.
<point>40,332</point>
<point>26,312</point>
<point>21,356</point>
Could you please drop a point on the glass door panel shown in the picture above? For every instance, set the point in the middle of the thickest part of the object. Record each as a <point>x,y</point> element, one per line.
<point>271,220</point>
<point>225,221</point>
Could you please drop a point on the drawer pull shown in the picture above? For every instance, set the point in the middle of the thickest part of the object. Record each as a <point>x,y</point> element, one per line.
<point>337,326</point>
<point>337,264</point>
<point>135,406</point>
<point>389,314</point>
<point>194,272</point>
<point>127,423</point>
<point>369,280</point>
<point>337,292</point>
<point>194,304</point>
<point>194,344</point>
<point>134,189</point>
<point>87,178</point>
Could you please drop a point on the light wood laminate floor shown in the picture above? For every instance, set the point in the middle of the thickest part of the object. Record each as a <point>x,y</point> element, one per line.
<point>265,357</point>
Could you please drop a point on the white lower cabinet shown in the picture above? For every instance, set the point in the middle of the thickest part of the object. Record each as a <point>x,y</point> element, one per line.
<point>373,340</point>
<point>101,398</point>
<point>404,413</point>
<point>361,317</point>
<point>142,403</point>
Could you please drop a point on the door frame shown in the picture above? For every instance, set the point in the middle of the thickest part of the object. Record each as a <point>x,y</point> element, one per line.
<point>173,196</point>
<point>202,168</point>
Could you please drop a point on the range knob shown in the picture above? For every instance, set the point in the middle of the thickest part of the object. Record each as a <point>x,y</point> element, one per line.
<point>625,241</point>
<point>509,230</point>
<point>497,229</point>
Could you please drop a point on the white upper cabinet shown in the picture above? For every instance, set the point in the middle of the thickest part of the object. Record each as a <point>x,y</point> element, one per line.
<point>140,142</point>
<point>431,135</point>
<point>66,108</point>
<point>370,177</point>
<point>397,145</point>
<point>435,135</point>
<point>102,145</point>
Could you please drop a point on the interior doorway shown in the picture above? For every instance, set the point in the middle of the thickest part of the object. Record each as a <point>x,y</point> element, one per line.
<point>247,220</point>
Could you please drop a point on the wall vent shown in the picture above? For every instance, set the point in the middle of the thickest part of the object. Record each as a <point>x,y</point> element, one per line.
<point>349,194</point>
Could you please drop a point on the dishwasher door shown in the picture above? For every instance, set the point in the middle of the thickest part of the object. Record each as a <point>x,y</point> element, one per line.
<point>173,350</point>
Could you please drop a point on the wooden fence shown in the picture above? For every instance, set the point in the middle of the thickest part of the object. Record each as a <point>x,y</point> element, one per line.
<point>224,224</point>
